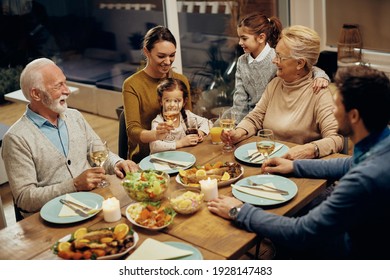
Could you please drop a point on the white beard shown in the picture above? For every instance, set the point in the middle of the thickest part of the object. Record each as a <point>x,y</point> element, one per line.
<point>55,105</point>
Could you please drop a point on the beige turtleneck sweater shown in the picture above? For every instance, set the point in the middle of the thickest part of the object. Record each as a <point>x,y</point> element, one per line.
<point>296,114</point>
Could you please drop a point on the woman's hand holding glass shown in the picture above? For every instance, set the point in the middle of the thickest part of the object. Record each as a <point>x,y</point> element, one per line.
<point>227,121</point>
<point>266,144</point>
<point>234,136</point>
<point>162,130</point>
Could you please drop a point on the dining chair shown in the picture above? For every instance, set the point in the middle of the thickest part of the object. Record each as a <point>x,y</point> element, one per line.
<point>345,148</point>
<point>18,213</point>
<point>122,139</point>
<point>3,221</point>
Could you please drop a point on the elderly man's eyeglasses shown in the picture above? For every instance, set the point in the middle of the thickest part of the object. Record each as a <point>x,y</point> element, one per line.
<point>280,58</point>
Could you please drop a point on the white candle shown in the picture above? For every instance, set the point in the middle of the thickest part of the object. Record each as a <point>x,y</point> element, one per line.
<point>209,188</point>
<point>111,210</point>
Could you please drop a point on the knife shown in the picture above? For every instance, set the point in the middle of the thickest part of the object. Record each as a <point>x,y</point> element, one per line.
<point>168,161</point>
<point>256,156</point>
<point>260,154</point>
<point>265,188</point>
<point>74,208</point>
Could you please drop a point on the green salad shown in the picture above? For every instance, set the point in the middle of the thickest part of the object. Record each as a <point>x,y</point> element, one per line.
<point>147,185</point>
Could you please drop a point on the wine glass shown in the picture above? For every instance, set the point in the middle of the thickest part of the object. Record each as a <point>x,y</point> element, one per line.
<point>227,121</point>
<point>98,152</point>
<point>192,127</point>
<point>266,144</point>
<point>170,117</point>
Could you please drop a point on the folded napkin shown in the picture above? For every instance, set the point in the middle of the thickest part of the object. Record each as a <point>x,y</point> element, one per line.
<point>161,166</point>
<point>152,249</point>
<point>180,162</point>
<point>66,211</point>
<point>253,153</point>
<point>260,193</point>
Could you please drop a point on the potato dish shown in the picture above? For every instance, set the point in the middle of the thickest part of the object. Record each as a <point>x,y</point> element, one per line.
<point>186,202</point>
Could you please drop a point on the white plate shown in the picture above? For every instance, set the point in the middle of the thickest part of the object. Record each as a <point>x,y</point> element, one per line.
<point>138,225</point>
<point>278,181</point>
<point>109,257</point>
<point>49,212</point>
<point>220,183</point>
<point>171,155</point>
<point>241,153</point>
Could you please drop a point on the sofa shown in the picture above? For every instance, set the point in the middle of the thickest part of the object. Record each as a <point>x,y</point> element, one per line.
<point>99,75</point>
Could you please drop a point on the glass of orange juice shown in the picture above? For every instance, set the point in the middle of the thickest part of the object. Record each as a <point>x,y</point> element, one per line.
<point>215,131</point>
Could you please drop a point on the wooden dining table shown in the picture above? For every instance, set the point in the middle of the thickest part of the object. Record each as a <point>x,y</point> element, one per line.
<point>215,237</point>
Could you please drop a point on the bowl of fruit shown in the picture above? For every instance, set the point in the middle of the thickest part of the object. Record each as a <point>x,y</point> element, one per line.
<point>146,185</point>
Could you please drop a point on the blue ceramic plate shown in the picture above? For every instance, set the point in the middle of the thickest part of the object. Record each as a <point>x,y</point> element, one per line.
<point>197,255</point>
<point>241,153</point>
<point>171,155</point>
<point>49,212</point>
<point>278,181</point>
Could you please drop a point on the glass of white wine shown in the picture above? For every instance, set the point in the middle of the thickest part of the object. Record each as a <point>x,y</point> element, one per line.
<point>98,152</point>
<point>266,144</point>
<point>227,121</point>
<point>170,117</point>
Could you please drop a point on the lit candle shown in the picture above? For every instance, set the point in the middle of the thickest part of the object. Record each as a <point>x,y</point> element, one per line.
<point>111,210</point>
<point>209,188</point>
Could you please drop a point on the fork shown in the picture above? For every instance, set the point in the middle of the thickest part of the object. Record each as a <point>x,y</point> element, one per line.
<point>250,182</point>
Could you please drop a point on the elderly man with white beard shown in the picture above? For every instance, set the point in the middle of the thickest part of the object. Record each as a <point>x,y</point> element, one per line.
<point>46,150</point>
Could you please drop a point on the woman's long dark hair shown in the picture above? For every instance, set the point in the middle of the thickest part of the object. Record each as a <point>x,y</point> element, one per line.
<point>157,34</point>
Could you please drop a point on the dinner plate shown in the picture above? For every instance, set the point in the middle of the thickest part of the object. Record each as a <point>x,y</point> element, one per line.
<point>278,181</point>
<point>171,155</point>
<point>241,153</point>
<point>197,255</point>
<point>128,216</point>
<point>113,256</point>
<point>49,212</point>
<point>221,184</point>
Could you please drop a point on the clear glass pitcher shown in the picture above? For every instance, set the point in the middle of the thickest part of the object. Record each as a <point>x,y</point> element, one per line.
<point>349,46</point>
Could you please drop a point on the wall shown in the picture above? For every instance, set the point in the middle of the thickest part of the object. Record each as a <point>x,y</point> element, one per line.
<point>313,14</point>
<point>372,17</point>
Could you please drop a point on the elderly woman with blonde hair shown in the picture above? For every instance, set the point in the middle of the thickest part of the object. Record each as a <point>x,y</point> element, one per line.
<point>289,106</point>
